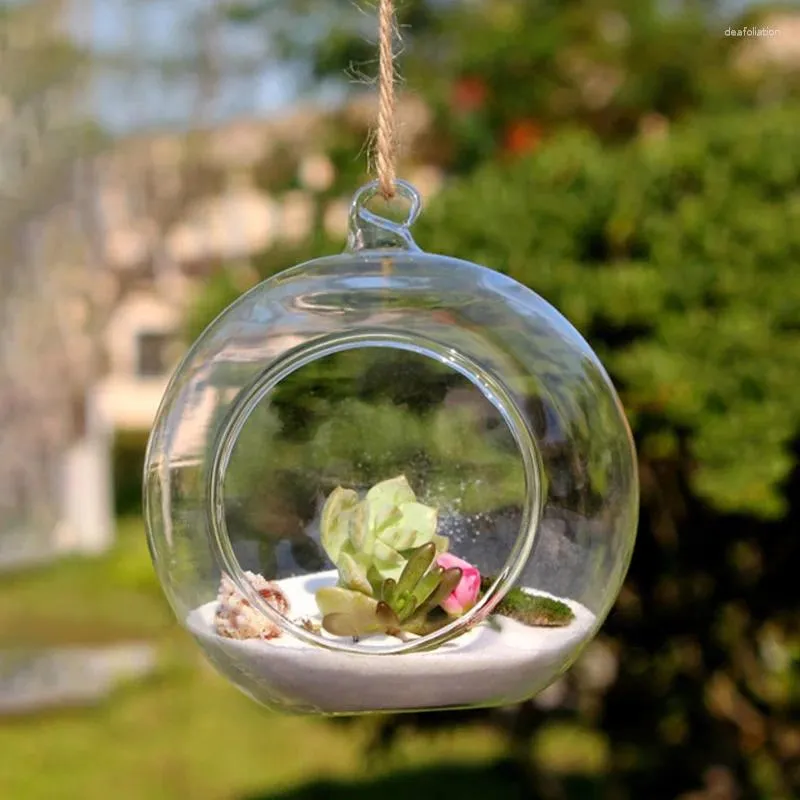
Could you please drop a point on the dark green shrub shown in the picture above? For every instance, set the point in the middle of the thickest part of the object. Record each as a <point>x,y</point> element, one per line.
<point>128,465</point>
<point>678,258</point>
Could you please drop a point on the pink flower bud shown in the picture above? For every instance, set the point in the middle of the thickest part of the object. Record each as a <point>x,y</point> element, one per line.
<point>465,595</point>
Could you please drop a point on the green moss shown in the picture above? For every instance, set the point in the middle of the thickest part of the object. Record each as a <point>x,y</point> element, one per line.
<point>531,609</point>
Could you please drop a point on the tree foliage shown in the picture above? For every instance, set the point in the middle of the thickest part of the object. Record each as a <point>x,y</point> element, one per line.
<point>501,75</point>
<point>677,257</point>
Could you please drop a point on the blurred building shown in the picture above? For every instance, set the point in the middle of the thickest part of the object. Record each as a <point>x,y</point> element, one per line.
<point>54,469</point>
<point>175,208</point>
<point>771,40</point>
<point>106,244</point>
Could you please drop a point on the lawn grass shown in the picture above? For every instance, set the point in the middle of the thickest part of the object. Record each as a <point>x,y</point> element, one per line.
<point>183,734</point>
<point>87,600</point>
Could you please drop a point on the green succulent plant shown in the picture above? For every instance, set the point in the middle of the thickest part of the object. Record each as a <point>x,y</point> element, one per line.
<point>371,539</point>
<point>408,605</point>
<point>384,548</point>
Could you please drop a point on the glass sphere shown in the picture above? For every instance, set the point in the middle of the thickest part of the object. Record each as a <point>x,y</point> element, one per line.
<point>389,480</point>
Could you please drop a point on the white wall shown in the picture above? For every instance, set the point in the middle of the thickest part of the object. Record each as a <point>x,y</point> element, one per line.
<point>87,493</point>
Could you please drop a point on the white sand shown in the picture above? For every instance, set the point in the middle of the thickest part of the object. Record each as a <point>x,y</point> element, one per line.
<point>489,665</point>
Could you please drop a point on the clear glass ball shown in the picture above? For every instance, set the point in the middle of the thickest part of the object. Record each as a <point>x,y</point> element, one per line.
<point>475,408</point>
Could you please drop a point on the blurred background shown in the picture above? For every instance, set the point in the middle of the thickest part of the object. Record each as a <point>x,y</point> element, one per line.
<point>635,162</point>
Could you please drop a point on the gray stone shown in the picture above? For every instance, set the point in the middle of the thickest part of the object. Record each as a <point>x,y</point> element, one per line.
<point>31,682</point>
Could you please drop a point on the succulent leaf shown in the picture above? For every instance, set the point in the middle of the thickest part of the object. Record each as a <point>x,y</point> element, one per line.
<point>449,580</point>
<point>353,575</point>
<point>388,589</point>
<point>337,514</point>
<point>376,532</point>
<point>384,500</point>
<point>401,601</point>
<point>416,567</point>
<point>362,535</point>
<point>414,526</point>
<point>420,625</point>
<point>393,492</point>
<point>336,600</point>
<point>427,586</point>
<point>388,561</point>
<point>340,625</point>
<point>386,616</point>
<point>409,608</point>
<point>354,625</point>
<point>380,517</point>
<point>376,581</point>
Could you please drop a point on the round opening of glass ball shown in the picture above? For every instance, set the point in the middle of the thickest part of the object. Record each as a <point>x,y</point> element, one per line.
<point>356,490</point>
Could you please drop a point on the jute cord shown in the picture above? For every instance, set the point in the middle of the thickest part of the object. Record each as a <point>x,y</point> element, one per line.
<point>386,144</point>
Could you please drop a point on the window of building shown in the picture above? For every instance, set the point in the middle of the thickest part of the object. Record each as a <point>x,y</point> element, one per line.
<point>154,354</point>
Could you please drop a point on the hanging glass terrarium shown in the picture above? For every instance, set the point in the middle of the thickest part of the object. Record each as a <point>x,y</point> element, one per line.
<point>389,480</point>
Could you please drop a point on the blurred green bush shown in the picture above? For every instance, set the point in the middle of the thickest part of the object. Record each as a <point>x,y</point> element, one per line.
<point>678,258</point>
<point>503,75</point>
<point>677,255</point>
<point>127,460</point>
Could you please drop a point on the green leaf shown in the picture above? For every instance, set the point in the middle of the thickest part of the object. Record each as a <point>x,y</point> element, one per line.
<point>388,561</point>
<point>388,589</point>
<point>449,580</point>
<point>427,586</point>
<point>420,625</point>
<point>351,625</point>
<point>414,526</point>
<point>338,600</point>
<point>416,567</point>
<point>401,602</point>
<point>362,535</point>
<point>408,609</point>
<point>352,575</point>
<point>384,499</point>
<point>392,492</point>
<point>335,521</point>
<point>376,581</point>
